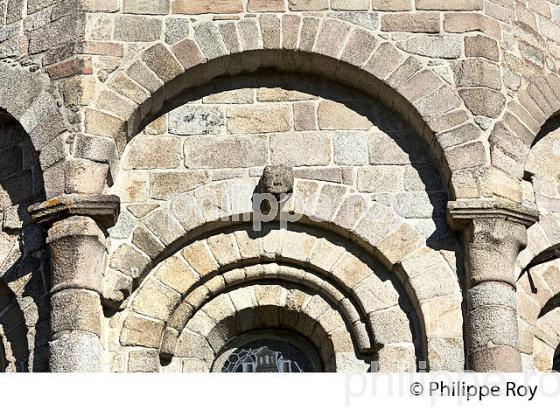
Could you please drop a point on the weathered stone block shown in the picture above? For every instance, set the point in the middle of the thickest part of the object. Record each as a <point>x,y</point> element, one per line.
<point>270,31</point>
<point>146,6</point>
<point>308,5</point>
<point>412,23</point>
<point>381,179</point>
<point>305,117</point>
<point>196,120</point>
<point>206,6</point>
<point>350,4</point>
<point>445,5</point>
<point>460,135</point>
<point>176,29</point>
<point>482,46</point>
<point>199,256</point>
<point>155,300</point>
<point>332,38</point>
<point>477,73</point>
<point>437,46</point>
<point>137,29</point>
<point>143,361</point>
<point>258,119</point>
<point>300,149</point>
<point>225,152</point>
<point>176,274</point>
<point>210,41</point>
<point>335,115</point>
<point>390,326</point>
<point>467,22</point>
<point>385,59</point>
<point>398,245</point>
<point>147,242</point>
<point>359,47</point>
<point>483,101</point>
<point>188,53</point>
<point>265,5</point>
<point>129,260</point>
<point>350,148</point>
<point>153,153</point>
<point>141,331</point>
<point>162,62</point>
<point>164,185</point>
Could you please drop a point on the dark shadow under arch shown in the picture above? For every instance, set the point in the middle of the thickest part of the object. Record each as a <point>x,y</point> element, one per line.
<point>386,120</point>
<point>22,263</point>
<point>556,360</point>
<point>290,61</point>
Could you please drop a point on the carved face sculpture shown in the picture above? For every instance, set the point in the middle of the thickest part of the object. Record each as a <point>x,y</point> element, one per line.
<point>278,180</point>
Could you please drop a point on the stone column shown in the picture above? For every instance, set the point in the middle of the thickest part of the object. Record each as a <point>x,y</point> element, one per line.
<point>77,226</point>
<point>494,232</point>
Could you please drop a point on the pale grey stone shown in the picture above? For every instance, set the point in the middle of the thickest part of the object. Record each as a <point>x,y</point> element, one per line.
<point>196,120</point>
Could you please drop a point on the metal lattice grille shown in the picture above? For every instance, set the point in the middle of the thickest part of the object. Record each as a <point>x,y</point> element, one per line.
<point>267,356</point>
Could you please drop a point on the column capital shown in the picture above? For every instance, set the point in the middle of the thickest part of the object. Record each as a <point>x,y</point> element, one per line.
<point>104,209</point>
<point>462,212</point>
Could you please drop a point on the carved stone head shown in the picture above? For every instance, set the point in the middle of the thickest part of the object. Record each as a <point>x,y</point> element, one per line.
<point>278,180</point>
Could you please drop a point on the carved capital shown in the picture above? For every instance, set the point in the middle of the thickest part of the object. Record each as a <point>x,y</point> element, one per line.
<point>494,231</point>
<point>104,209</point>
<point>461,213</point>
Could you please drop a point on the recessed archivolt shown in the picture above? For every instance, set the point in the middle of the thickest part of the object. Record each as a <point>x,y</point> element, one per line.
<point>212,266</point>
<point>276,273</point>
<point>366,295</point>
<point>271,307</point>
<point>141,90</point>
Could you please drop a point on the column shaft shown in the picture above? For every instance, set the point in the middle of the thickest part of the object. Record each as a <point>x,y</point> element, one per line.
<point>492,246</point>
<point>76,246</point>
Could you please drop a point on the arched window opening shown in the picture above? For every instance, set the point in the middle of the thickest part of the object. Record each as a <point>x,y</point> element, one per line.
<point>268,352</point>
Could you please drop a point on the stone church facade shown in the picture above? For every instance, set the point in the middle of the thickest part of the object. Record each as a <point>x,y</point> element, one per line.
<point>279,185</point>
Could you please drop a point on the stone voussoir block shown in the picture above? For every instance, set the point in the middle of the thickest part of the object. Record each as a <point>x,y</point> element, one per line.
<point>398,244</point>
<point>359,47</point>
<point>384,61</point>
<point>128,260</point>
<point>156,300</point>
<point>162,62</point>
<point>332,38</point>
<point>478,73</point>
<point>210,41</point>
<point>141,331</point>
<point>188,53</point>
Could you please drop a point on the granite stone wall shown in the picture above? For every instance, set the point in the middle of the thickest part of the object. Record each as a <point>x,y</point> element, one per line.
<point>433,121</point>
